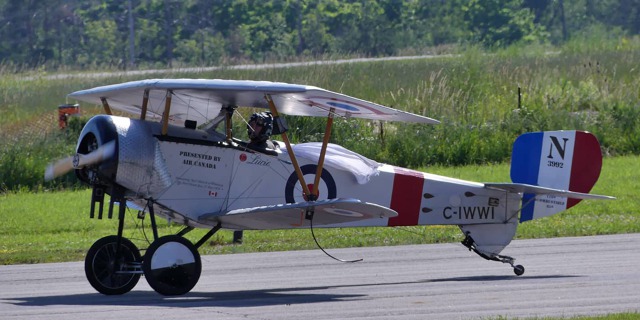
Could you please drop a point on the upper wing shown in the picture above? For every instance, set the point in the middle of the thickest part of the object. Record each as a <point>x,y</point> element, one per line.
<point>527,188</point>
<point>292,215</point>
<point>201,99</point>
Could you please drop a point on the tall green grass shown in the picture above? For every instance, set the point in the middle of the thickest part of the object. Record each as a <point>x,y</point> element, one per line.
<point>474,95</point>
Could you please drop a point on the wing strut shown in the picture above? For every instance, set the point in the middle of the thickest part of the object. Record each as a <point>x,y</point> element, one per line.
<point>165,115</point>
<point>105,105</point>
<point>323,151</point>
<point>228,125</point>
<point>311,195</point>
<point>287,143</point>
<point>145,102</point>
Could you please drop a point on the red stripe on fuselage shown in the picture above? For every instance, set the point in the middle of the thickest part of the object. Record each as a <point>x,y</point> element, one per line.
<point>406,197</point>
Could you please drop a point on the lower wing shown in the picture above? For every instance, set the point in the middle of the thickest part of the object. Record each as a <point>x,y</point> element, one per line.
<point>294,215</point>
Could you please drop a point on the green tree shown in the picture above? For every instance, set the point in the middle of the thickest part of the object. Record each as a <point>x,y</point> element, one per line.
<point>435,22</point>
<point>501,23</point>
<point>105,36</point>
<point>28,30</point>
<point>95,33</point>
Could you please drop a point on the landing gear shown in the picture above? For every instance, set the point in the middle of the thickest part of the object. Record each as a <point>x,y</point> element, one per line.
<point>518,270</point>
<point>113,263</point>
<point>471,245</point>
<point>110,270</point>
<point>172,265</point>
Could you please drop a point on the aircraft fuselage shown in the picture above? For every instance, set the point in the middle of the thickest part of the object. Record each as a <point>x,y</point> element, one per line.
<point>190,173</point>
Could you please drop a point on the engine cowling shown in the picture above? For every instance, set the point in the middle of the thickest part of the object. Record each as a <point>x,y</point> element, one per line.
<point>98,131</point>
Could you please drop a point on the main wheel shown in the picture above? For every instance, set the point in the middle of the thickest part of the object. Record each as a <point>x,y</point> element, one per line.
<point>107,274</point>
<point>172,265</point>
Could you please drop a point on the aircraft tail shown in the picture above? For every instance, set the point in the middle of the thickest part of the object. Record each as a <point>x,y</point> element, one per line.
<point>565,160</point>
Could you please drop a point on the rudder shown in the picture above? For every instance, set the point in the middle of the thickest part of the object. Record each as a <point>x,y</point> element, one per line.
<point>566,160</point>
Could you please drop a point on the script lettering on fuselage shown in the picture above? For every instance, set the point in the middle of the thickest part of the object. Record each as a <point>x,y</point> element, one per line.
<point>469,213</point>
<point>259,161</point>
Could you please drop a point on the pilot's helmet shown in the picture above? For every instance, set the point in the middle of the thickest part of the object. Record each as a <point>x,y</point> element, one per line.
<point>263,122</point>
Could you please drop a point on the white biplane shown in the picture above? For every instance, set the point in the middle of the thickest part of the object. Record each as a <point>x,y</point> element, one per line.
<point>178,159</point>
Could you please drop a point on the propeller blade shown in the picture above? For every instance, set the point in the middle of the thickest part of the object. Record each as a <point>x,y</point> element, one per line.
<point>78,161</point>
<point>58,168</point>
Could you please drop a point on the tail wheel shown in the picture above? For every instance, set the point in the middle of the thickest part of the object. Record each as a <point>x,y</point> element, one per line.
<point>172,265</point>
<point>518,270</point>
<point>110,275</point>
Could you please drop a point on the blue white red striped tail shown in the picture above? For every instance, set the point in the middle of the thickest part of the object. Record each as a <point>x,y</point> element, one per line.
<point>566,160</point>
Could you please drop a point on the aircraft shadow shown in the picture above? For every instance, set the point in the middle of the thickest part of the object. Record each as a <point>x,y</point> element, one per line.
<point>500,278</point>
<point>241,298</point>
<point>246,298</point>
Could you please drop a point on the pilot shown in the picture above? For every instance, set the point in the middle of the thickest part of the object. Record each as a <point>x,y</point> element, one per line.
<point>259,130</point>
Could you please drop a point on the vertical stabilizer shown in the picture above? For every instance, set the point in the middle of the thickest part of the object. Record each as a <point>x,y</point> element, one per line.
<point>566,160</point>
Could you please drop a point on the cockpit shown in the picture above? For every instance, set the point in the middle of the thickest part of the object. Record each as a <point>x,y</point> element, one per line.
<point>260,127</point>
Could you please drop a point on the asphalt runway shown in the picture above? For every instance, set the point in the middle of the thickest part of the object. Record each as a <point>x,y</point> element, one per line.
<point>564,277</point>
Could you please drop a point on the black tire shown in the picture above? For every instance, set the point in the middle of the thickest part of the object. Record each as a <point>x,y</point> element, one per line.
<point>518,270</point>
<point>101,268</point>
<point>172,265</point>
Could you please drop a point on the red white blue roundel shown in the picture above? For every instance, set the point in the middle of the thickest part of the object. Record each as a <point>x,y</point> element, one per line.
<point>310,169</point>
<point>344,212</point>
<point>344,106</point>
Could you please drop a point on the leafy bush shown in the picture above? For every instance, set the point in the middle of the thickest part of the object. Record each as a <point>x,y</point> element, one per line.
<point>22,162</point>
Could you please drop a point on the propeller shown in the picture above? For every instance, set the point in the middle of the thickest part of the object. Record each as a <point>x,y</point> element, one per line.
<point>79,161</point>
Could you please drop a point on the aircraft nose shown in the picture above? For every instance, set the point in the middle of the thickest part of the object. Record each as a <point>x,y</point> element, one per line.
<point>98,144</point>
<point>80,161</point>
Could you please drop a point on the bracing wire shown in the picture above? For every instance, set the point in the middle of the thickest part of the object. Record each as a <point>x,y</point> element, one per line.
<point>322,249</point>
<point>138,227</point>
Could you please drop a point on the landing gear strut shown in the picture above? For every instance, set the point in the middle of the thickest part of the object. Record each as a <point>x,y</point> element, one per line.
<point>471,245</point>
<point>113,264</point>
<point>171,264</point>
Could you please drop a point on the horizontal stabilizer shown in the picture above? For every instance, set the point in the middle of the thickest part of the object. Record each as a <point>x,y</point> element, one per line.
<point>527,188</point>
<point>292,215</point>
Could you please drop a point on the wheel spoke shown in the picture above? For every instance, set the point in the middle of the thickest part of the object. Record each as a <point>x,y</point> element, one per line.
<point>104,272</point>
